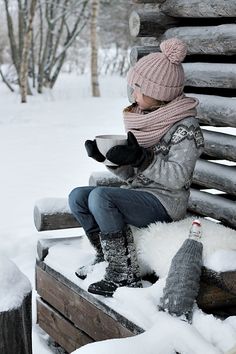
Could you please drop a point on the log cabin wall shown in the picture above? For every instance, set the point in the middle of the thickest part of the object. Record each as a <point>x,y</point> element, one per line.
<point>208,27</point>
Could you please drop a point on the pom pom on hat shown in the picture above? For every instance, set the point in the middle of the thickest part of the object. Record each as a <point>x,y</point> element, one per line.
<point>174,49</point>
<point>161,75</point>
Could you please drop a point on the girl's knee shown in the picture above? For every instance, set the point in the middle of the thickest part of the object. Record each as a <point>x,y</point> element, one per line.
<point>77,196</point>
<point>97,197</point>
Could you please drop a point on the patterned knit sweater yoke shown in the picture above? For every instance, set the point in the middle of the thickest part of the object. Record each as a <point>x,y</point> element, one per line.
<point>168,177</point>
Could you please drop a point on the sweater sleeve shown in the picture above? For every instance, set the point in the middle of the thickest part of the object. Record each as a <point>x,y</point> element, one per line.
<point>173,169</point>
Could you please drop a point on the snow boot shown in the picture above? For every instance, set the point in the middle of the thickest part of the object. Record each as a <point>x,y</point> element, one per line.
<point>94,239</point>
<point>122,270</point>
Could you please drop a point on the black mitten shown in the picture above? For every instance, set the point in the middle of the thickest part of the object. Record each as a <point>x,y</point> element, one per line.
<point>131,154</point>
<point>92,150</point>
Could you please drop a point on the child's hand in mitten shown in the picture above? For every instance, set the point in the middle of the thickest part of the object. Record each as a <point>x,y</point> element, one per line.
<point>131,154</point>
<point>92,150</point>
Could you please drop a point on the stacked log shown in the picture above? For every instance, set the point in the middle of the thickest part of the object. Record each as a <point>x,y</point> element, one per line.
<point>209,29</point>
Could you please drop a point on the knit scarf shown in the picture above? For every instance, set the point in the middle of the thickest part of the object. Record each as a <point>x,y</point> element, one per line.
<point>150,127</point>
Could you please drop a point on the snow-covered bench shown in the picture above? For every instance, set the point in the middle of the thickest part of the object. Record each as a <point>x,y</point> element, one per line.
<point>73,317</point>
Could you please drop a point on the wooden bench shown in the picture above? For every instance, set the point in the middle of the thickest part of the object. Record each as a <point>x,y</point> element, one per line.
<point>70,315</point>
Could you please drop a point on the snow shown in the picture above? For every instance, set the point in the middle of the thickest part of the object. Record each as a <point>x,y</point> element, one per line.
<point>156,246</point>
<point>43,156</point>
<point>14,285</point>
<point>222,260</point>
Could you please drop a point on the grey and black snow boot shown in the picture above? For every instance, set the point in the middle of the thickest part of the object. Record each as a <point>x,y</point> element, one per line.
<point>94,239</point>
<point>122,270</point>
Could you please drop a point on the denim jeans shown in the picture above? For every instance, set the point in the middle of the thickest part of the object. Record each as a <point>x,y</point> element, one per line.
<point>109,209</point>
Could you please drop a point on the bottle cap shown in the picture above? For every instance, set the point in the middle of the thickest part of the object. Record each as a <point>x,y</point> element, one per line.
<point>197,222</point>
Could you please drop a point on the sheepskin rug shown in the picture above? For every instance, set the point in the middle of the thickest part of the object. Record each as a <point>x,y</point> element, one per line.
<point>157,244</point>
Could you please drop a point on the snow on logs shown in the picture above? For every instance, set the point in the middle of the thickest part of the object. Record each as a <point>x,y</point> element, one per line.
<point>15,309</point>
<point>194,8</point>
<point>53,214</point>
<point>199,8</point>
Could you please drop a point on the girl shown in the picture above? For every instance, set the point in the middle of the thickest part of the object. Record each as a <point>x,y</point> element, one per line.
<point>164,143</point>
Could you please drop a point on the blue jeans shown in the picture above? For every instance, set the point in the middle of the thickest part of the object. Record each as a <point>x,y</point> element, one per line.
<point>109,209</point>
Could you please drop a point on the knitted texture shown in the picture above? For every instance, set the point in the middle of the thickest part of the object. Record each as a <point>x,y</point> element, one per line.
<point>119,252</point>
<point>160,75</point>
<point>182,284</point>
<point>149,128</point>
<point>94,239</point>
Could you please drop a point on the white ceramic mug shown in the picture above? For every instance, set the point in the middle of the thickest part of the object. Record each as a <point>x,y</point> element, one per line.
<point>105,142</point>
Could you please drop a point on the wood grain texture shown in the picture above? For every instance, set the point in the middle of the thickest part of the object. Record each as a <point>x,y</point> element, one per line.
<point>16,329</point>
<point>214,206</point>
<point>216,176</point>
<point>199,8</point>
<point>59,328</point>
<point>52,221</point>
<point>200,39</point>
<point>210,75</point>
<point>81,308</point>
<point>219,145</point>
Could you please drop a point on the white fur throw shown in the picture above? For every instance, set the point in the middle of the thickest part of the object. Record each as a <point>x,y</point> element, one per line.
<point>157,244</point>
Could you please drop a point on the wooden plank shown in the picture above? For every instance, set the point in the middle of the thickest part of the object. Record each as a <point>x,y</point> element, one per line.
<point>210,75</point>
<point>214,206</point>
<point>81,308</point>
<point>60,329</point>
<point>199,39</point>
<point>199,8</point>
<point>219,145</point>
<point>215,176</point>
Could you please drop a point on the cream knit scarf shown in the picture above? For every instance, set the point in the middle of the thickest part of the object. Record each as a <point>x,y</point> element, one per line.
<point>150,127</point>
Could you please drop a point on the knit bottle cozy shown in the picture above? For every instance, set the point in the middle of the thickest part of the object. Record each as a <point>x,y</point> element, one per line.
<point>160,75</point>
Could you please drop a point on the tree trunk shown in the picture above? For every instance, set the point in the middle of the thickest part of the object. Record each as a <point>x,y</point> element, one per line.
<point>94,49</point>
<point>25,53</point>
<point>11,35</point>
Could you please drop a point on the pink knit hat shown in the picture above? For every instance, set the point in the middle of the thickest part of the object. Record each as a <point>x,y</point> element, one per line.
<point>161,75</point>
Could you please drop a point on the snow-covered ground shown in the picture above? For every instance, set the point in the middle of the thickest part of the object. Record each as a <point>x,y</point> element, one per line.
<point>43,155</point>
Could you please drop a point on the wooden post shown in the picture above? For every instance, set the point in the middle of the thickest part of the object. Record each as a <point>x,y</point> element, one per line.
<point>15,311</point>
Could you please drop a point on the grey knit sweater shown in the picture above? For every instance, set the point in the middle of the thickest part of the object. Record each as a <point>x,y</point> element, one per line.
<point>169,175</point>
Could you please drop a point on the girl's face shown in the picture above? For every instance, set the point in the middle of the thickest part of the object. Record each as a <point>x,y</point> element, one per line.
<point>144,102</point>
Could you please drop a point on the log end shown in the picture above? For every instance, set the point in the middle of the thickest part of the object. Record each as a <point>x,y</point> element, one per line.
<point>134,24</point>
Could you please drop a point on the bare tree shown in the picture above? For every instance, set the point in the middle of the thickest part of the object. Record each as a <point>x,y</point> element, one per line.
<point>64,21</point>
<point>25,52</point>
<point>94,49</point>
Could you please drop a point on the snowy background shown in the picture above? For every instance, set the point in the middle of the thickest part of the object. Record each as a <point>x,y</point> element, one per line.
<point>43,155</point>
